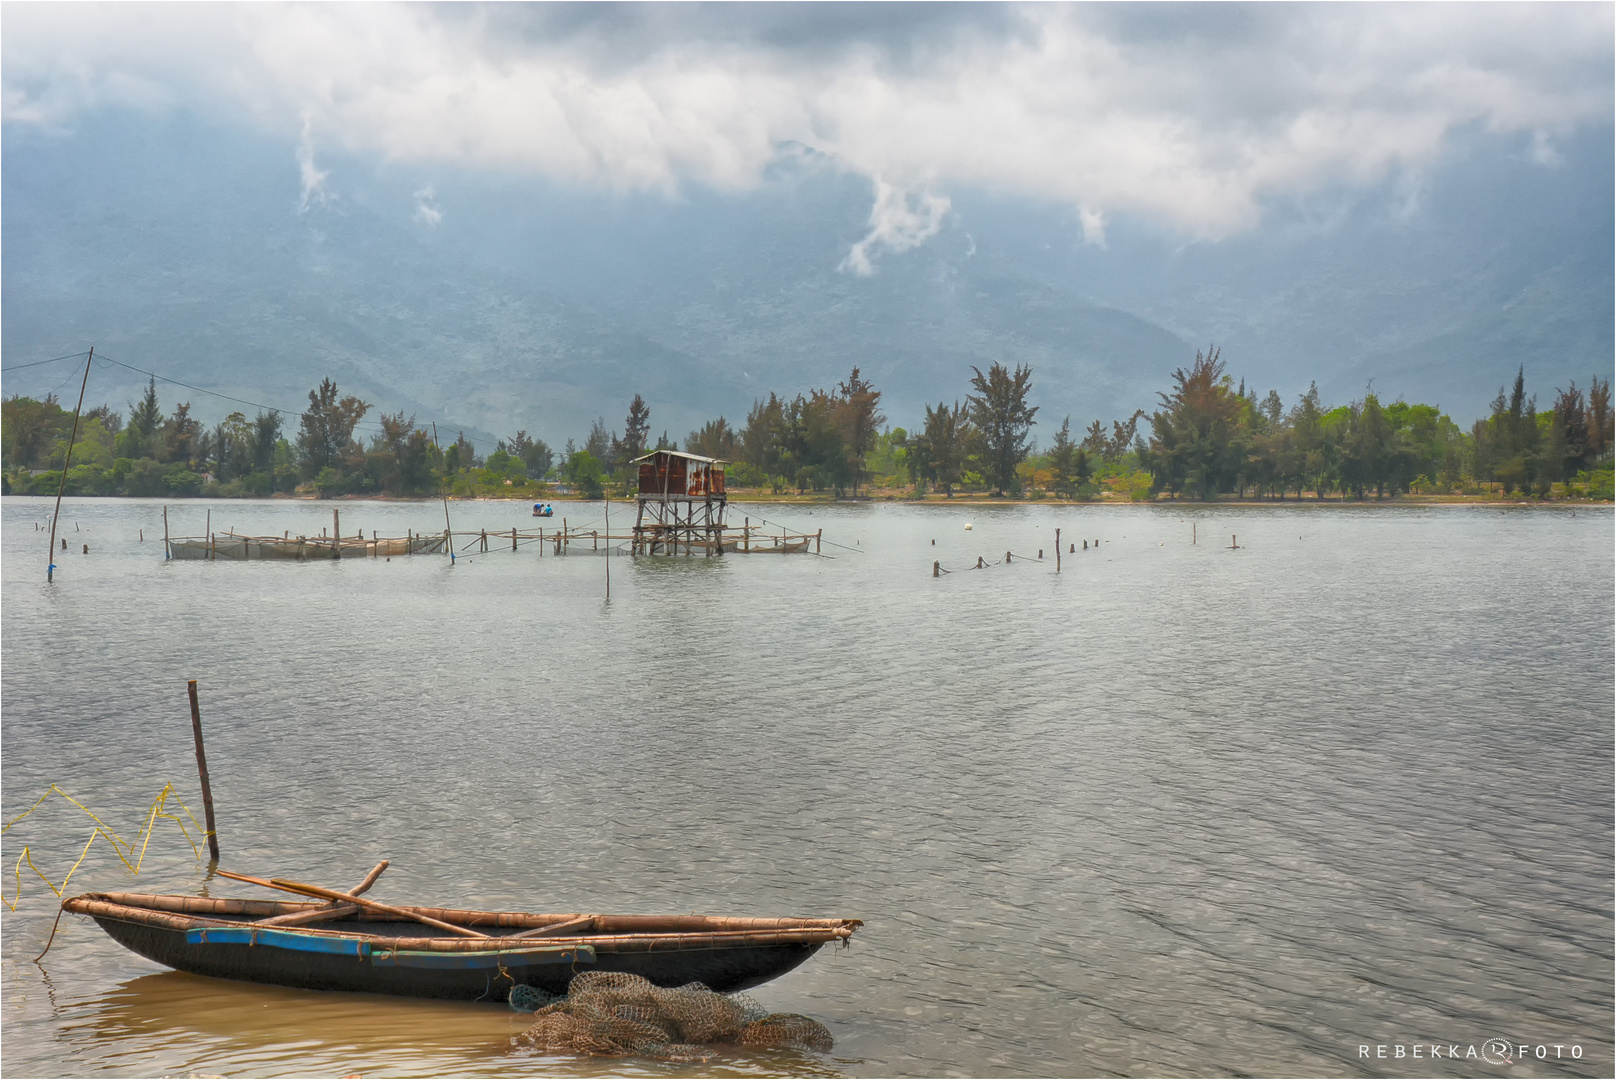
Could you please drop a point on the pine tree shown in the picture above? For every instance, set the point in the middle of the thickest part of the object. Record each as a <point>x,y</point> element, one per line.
<point>1000,412</point>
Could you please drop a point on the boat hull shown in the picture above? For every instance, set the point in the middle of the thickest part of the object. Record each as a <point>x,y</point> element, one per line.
<point>357,965</point>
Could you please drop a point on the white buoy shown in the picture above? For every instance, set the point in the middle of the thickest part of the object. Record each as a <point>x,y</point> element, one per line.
<point>967,526</point>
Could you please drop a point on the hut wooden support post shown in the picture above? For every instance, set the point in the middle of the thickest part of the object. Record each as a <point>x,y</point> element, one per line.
<point>202,771</point>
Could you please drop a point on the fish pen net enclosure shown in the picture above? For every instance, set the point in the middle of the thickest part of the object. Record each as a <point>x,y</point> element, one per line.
<point>256,548</point>
<point>617,1014</point>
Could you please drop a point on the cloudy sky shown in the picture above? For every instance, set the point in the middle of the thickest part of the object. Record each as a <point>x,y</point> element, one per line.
<point>1190,115</point>
<point>1195,121</point>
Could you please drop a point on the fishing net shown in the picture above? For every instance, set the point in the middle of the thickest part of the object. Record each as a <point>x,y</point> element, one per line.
<point>618,1014</point>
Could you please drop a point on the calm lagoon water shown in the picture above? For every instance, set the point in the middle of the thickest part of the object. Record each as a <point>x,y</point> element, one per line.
<point>1179,810</point>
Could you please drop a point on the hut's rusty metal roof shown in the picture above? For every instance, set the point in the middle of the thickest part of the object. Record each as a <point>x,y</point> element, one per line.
<point>682,454</point>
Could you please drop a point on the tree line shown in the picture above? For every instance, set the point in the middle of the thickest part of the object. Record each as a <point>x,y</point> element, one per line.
<point>1207,437</point>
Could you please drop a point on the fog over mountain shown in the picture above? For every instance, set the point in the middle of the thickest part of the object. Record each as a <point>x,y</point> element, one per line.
<point>250,234</point>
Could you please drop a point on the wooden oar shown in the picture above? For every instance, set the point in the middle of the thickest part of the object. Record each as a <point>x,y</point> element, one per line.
<point>332,894</point>
<point>329,911</point>
<point>553,928</point>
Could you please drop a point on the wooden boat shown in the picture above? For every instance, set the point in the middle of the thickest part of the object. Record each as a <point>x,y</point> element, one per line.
<point>366,949</point>
<point>765,545</point>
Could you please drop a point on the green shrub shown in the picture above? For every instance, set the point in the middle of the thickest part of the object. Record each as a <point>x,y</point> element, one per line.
<point>329,483</point>
<point>746,475</point>
<point>144,478</point>
<point>90,480</point>
<point>182,482</point>
<point>1594,484</point>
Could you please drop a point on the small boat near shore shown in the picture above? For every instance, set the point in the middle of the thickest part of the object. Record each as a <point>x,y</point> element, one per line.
<point>446,953</point>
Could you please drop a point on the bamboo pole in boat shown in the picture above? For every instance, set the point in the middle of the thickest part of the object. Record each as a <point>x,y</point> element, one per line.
<point>336,533</point>
<point>202,769</point>
<point>332,894</point>
<point>329,911</point>
<point>583,921</point>
<point>166,552</point>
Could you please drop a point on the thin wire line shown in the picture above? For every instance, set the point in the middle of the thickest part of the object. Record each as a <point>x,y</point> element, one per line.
<point>38,363</point>
<point>70,377</point>
<point>299,413</point>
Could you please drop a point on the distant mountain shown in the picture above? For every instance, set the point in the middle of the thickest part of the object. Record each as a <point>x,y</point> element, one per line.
<point>181,248</point>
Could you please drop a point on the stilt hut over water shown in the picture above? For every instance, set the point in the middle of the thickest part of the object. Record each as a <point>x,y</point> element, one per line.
<point>681,504</point>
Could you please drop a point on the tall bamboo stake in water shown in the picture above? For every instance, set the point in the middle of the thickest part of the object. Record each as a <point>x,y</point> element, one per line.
<point>448,529</point>
<point>202,770</point>
<point>608,547</point>
<point>67,461</point>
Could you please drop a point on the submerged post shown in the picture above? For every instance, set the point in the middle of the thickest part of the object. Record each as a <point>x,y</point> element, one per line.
<point>1057,551</point>
<point>202,770</point>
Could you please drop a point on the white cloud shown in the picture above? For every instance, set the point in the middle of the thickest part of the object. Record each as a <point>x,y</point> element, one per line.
<point>1192,117</point>
<point>900,220</point>
<point>1544,152</point>
<point>426,207</point>
<point>1093,223</point>
<point>310,176</point>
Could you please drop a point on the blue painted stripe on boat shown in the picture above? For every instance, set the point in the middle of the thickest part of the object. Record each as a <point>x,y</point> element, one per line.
<point>570,954</point>
<point>279,939</point>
